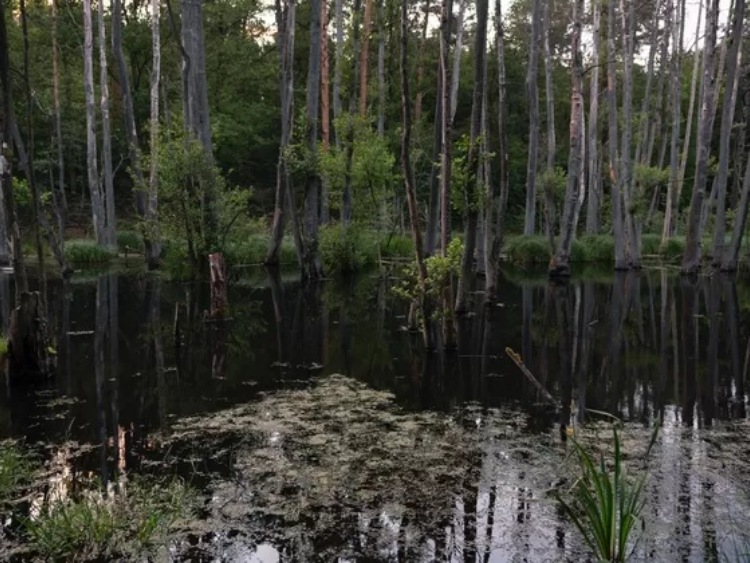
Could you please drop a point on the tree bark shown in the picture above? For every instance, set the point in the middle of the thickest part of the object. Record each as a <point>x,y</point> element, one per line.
<point>692,254</point>
<point>727,120</point>
<point>381,70</point>
<point>617,222</point>
<point>633,247</point>
<point>594,182</point>
<point>152,238</point>
<point>531,89</point>
<point>312,267</point>
<point>445,127</point>
<point>559,266</point>
<point>219,301</point>
<point>732,253</point>
<point>549,88</point>
<point>497,227</point>
<point>457,52</point>
<point>109,189</point>
<point>97,204</point>
<point>346,209</point>
<point>411,197</point>
<point>339,14</point>
<point>473,182</point>
<point>420,67</point>
<point>364,57</point>
<point>325,105</point>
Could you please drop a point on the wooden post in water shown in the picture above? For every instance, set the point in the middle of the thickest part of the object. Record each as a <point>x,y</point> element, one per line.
<point>218,285</point>
<point>28,345</point>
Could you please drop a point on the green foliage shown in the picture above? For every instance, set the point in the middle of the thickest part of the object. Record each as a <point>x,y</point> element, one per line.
<point>397,246</point>
<point>129,242</point>
<point>347,249</point>
<point>650,244</point>
<point>98,525</point>
<point>596,248</point>
<point>85,252</point>
<point>522,250</point>
<point>606,504</point>
<point>673,249</point>
<point>553,183</point>
<point>3,345</point>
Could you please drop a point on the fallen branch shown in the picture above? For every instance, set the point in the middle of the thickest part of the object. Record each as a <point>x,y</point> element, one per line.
<point>527,372</point>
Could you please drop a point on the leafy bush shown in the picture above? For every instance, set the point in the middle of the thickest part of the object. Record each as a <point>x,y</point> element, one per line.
<point>129,241</point>
<point>85,251</point>
<point>527,250</point>
<point>397,246</point>
<point>104,526</point>
<point>347,249</point>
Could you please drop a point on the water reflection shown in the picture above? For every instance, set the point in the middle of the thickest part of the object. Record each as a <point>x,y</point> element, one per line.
<point>136,354</point>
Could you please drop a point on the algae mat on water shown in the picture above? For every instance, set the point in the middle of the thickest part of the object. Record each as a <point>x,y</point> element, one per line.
<point>339,470</point>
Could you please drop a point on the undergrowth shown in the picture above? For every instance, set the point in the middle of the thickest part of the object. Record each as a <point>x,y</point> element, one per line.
<point>86,251</point>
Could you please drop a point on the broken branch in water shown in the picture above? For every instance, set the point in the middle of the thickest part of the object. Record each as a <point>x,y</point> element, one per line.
<point>527,372</point>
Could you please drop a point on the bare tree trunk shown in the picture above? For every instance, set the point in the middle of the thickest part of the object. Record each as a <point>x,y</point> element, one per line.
<point>381,69</point>
<point>284,196</point>
<point>339,14</point>
<point>559,266</point>
<point>466,278</point>
<point>59,201</point>
<point>325,105</point>
<point>411,196</point>
<point>346,209</point>
<point>594,181</point>
<point>617,224</point>
<point>497,228</point>
<point>364,57</point>
<point>732,253</point>
<point>153,246</point>
<point>692,255</point>
<point>549,88</point>
<point>727,119</point>
<point>97,205</point>
<point>445,128</point>
<point>484,240</point>
<point>644,120</point>
<point>531,88</point>
<point>633,248</point>
<point>109,188</point>
<point>312,267</point>
<point>131,134</point>
<point>457,52</point>
<point>420,68</point>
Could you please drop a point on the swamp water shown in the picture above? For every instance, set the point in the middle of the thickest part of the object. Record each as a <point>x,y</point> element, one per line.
<point>314,428</point>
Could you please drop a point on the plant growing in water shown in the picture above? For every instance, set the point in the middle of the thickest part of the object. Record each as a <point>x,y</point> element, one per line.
<point>606,504</point>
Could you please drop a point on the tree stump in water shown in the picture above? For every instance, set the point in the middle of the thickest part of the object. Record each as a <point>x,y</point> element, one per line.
<point>218,285</point>
<point>28,343</point>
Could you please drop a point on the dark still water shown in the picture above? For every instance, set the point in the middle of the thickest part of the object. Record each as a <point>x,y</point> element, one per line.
<point>318,429</point>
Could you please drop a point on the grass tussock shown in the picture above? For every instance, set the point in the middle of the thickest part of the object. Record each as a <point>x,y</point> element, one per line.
<point>523,250</point>
<point>86,252</point>
<point>129,242</point>
<point>16,469</point>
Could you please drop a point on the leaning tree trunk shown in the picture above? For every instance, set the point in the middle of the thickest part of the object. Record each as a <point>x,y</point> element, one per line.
<point>408,173</point>
<point>532,92</point>
<point>109,188</point>
<point>559,266</point>
<point>594,181</point>
<point>151,254</point>
<point>692,254</point>
<point>727,119</point>
<point>97,205</point>
<point>612,142</point>
<point>497,228</point>
<point>466,278</point>
<point>312,268</point>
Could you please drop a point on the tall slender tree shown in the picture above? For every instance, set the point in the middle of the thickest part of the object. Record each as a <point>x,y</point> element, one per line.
<point>692,254</point>
<point>592,139</point>
<point>633,248</point>
<point>364,57</point>
<point>153,246</point>
<point>108,175</point>
<point>445,126</point>
<point>533,97</point>
<point>59,199</point>
<point>325,104</point>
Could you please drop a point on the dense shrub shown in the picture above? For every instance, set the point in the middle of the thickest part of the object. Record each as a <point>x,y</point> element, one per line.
<point>347,249</point>
<point>672,249</point>
<point>397,246</point>
<point>597,248</point>
<point>85,251</point>
<point>527,250</point>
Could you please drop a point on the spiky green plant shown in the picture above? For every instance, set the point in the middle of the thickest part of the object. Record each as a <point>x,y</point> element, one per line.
<point>606,504</point>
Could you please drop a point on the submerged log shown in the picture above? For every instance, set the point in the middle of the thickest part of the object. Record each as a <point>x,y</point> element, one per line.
<point>219,300</point>
<point>29,357</point>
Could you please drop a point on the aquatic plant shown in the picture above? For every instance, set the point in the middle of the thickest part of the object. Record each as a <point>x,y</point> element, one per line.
<point>96,525</point>
<point>606,504</point>
<point>672,249</point>
<point>527,250</point>
<point>129,242</point>
<point>85,251</point>
<point>347,249</point>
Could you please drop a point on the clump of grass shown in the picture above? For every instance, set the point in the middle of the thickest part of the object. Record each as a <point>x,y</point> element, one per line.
<point>597,248</point>
<point>16,469</point>
<point>606,504</point>
<point>397,246</point>
<point>85,251</point>
<point>347,249</point>
<point>100,526</point>
<point>129,242</point>
<point>527,250</point>
<point>650,244</point>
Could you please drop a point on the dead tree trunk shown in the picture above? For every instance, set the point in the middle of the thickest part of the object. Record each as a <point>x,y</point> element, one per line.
<point>532,91</point>
<point>727,119</point>
<point>612,142</point>
<point>692,254</point>
<point>559,266</point>
<point>594,181</point>
<point>466,278</point>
